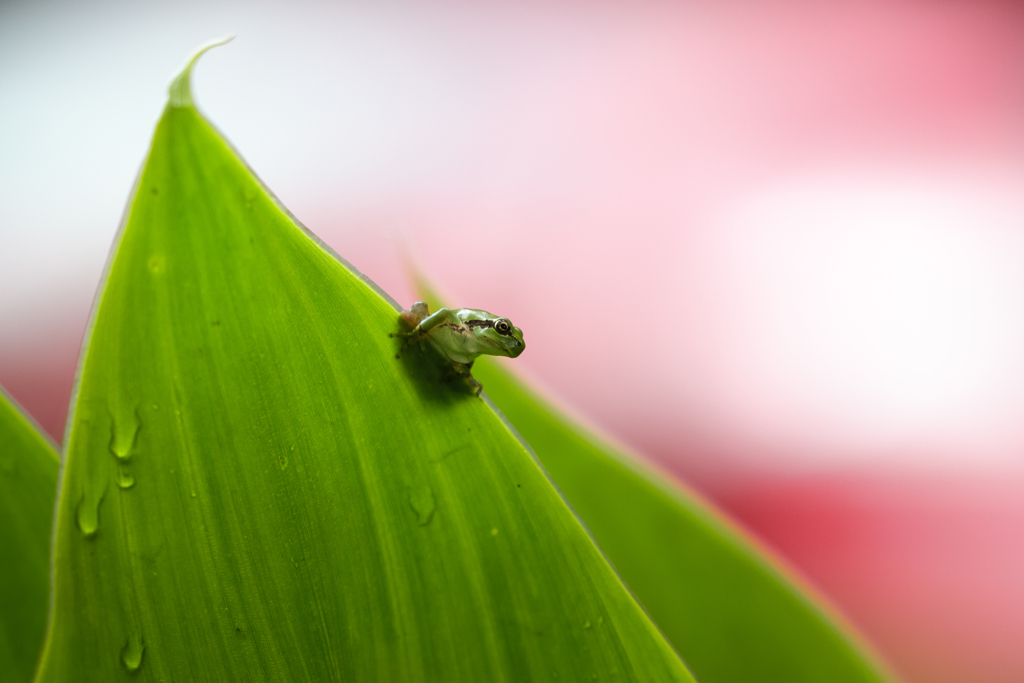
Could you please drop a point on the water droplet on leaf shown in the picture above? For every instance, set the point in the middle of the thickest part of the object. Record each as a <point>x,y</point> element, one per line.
<point>87,515</point>
<point>124,430</point>
<point>131,653</point>
<point>421,498</point>
<point>125,479</point>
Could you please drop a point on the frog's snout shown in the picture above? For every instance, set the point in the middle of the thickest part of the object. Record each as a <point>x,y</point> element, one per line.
<point>515,348</point>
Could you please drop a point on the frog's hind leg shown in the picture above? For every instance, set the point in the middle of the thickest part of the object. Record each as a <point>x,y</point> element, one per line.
<point>426,323</point>
<point>416,314</point>
<point>462,371</point>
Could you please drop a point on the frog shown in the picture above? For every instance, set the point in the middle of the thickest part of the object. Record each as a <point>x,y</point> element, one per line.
<point>461,336</point>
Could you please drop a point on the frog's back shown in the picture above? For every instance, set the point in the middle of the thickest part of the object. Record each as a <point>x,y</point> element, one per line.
<point>467,314</point>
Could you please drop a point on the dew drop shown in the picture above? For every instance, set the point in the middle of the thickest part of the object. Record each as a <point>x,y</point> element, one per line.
<point>421,498</point>
<point>494,532</point>
<point>124,431</point>
<point>586,624</point>
<point>600,620</point>
<point>131,653</point>
<point>87,515</point>
<point>282,462</point>
<point>194,494</point>
<point>157,264</point>
<point>125,479</point>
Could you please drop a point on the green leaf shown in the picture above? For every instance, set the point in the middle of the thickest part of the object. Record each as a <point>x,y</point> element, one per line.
<point>731,612</point>
<point>255,488</point>
<point>28,486</point>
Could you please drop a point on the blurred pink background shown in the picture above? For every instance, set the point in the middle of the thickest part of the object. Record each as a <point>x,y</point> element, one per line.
<point>776,247</point>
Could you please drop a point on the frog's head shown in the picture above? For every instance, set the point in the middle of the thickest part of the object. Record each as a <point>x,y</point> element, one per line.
<point>505,339</point>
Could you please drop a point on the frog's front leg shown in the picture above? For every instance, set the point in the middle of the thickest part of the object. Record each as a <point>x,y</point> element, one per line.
<point>438,317</point>
<point>422,323</point>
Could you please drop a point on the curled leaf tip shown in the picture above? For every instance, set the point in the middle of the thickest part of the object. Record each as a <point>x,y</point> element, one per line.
<point>181,87</point>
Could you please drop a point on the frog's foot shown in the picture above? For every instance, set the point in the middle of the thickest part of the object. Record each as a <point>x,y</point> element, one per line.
<point>462,371</point>
<point>410,338</point>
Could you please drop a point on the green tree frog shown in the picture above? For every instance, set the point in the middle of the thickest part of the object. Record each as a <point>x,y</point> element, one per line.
<point>462,335</point>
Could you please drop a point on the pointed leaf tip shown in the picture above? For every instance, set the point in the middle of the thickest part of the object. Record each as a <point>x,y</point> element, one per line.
<point>181,87</point>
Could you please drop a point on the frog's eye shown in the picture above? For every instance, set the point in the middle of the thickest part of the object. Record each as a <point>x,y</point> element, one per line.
<point>503,327</point>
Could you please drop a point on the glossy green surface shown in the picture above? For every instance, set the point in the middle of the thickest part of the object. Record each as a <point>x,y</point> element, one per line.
<point>256,489</point>
<point>28,486</point>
